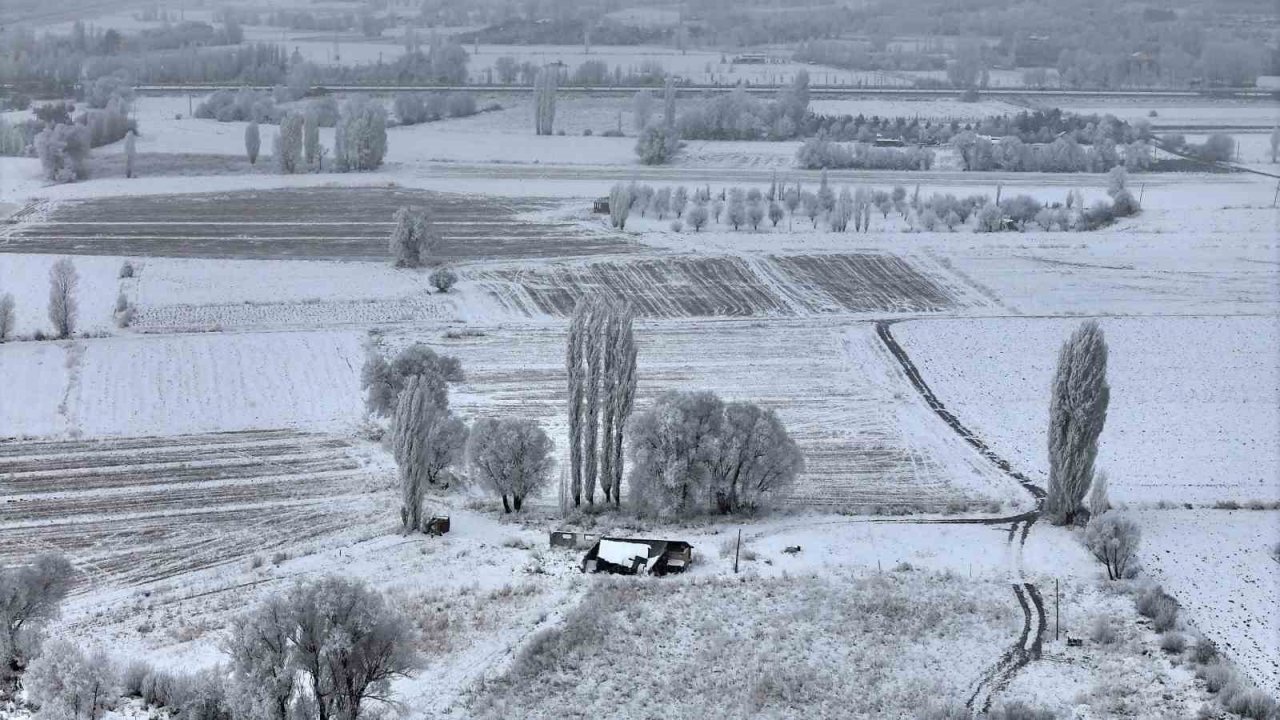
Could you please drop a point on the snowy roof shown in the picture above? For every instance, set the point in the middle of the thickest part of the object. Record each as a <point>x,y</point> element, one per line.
<point>622,553</point>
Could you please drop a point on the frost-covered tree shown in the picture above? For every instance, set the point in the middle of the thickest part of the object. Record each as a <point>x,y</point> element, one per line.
<point>1113,538</point>
<point>311,140</point>
<point>65,684</point>
<point>775,212</point>
<point>63,307</point>
<point>1275,142</point>
<point>1099,500</point>
<point>1117,180</point>
<point>679,201</point>
<point>288,144</point>
<point>30,597</point>
<point>755,214</point>
<point>671,457</point>
<point>383,381</point>
<point>619,206</point>
<point>7,319</point>
<point>697,217</point>
<point>669,102</point>
<point>826,196</point>
<point>752,457</point>
<point>600,362</point>
<point>260,648</point>
<point>642,109</point>
<point>426,441</point>
<point>843,211</point>
<point>348,644</point>
<point>252,142</point>
<point>812,207</point>
<point>512,457</point>
<point>360,138</point>
<point>63,151</point>
<point>662,202</point>
<point>658,144</point>
<point>737,210</point>
<point>130,153</point>
<point>414,239</point>
<point>1077,413</point>
<point>544,100</point>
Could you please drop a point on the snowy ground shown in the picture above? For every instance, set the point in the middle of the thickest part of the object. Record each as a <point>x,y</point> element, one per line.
<point>270,351</point>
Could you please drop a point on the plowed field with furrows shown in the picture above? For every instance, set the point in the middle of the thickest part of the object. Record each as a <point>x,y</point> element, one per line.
<point>326,223</point>
<point>139,509</point>
<point>727,286</point>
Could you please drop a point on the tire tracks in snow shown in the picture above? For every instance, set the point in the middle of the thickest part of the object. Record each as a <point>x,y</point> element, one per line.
<point>1030,641</point>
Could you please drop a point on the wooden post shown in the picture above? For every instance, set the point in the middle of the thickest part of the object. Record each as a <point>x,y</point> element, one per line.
<point>1277,195</point>
<point>1142,191</point>
<point>1055,609</point>
<point>736,549</point>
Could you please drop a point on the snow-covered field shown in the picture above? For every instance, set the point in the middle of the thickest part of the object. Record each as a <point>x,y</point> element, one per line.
<point>1193,399</point>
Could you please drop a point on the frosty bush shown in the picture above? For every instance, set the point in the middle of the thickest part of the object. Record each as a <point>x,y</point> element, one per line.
<point>30,597</point>
<point>443,279</point>
<point>511,457</point>
<point>1152,602</point>
<point>658,144</point>
<point>1113,539</point>
<point>64,684</point>
<point>63,151</point>
<point>691,452</point>
<point>1019,710</point>
<point>1173,642</point>
<point>63,282</point>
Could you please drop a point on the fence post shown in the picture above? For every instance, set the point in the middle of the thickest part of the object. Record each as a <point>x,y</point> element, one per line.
<point>1055,609</point>
<point>736,549</point>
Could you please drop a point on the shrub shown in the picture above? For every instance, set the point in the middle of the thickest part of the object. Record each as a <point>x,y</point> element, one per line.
<point>677,226</point>
<point>1102,630</point>
<point>1216,675</point>
<point>1018,710</point>
<point>67,685</point>
<point>1173,642</point>
<point>1166,616</point>
<point>1113,539</point>
<point>443,279</point>
<point>1248,702</point>
<point>1205,651</point>
<point>127,270</point>
<point>134,678</point>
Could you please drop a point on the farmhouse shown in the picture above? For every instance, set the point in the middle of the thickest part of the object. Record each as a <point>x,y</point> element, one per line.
<point>631,556</point>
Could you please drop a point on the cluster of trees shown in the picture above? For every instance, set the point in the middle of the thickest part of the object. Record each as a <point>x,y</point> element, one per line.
<point>693,453</point>
<point>415,108</point>
<point>64,308</point>
<point>600,363</point>
<point>30,597</point>
<point>1218,147</point>
<point>1062,155</point>
<point>738,116</point>
<point>326,649</point>
<point>659,140</point>
<point>820,153</point>
<point>63,144</point>
<point>863,55</point>
<point>360,141</point>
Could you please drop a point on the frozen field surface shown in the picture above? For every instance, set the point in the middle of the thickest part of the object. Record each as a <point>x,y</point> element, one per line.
<point>1221,566</point>
<point>318,223</point>
<point>1193,399</point>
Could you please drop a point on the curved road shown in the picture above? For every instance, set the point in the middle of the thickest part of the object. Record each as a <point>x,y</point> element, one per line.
<point>1030,641</point>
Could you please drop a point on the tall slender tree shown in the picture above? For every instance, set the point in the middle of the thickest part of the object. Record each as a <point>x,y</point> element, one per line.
<point>575,366</point>
<point>622,393</point>
<point>669,102</point>
<point>1077,413</point>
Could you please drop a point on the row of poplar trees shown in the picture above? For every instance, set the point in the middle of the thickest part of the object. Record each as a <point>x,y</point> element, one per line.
<point>601,363</point>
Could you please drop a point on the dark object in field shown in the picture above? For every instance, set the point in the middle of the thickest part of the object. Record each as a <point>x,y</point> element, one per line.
<point>632,556</point>
<point>1075,642</point>
<point>573,540</point>
<point>437,526</point>
<point>600,206</point>
<point>792,550</point>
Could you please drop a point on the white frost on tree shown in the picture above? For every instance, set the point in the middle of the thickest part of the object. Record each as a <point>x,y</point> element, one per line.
<point>130,153</point>
<point>512,457</point>
<point>426,441</point>
<point>288,144</point>
<point>252,142</point>
<point>544,99</point>
<point>7,320</point>
<point>63,307</point>
<point>65,684</point>
<point>414,240</point>
<point>1077,413</point>
<point>360,138</point>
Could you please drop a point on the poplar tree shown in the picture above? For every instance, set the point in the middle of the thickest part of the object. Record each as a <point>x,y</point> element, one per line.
<point>1077,413</point>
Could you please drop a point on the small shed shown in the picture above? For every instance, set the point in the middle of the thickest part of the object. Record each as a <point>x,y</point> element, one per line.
<point>635,556</point>
<point>437,525</point>
<point>600,206</point>
<point>573,540</point>
<point>889,142</point>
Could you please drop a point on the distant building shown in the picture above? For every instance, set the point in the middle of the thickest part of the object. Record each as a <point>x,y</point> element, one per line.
<point>633,556</point>
<point>751,59</point>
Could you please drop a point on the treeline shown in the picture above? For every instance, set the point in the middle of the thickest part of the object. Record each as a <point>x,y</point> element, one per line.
<point>1062,155</point>
<point>819,153</point>
<point>855,208</point>
<point>568,31</point>
<point>738,116</point>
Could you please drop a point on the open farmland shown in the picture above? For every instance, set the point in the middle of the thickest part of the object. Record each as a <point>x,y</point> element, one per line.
<point>141,509</point>
<point>729,286</point>
<point>316,223</point>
